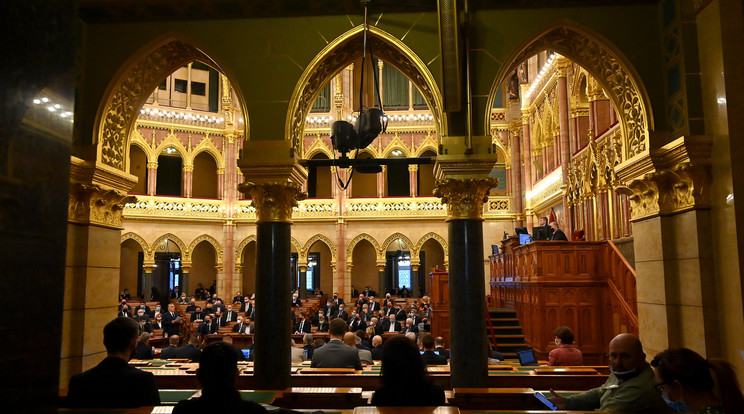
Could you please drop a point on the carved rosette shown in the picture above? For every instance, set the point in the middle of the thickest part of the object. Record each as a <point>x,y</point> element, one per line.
<point>465,197</point>
<point>673,191</point>
<point>92,204</point>
<point>274,201</point>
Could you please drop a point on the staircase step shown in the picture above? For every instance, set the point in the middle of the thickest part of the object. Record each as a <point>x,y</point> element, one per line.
<point>505,321</point>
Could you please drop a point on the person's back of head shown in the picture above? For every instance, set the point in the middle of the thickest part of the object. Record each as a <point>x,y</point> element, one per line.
<point>427,341</point>
<point>349,339</point>
<point>402,365</point>
<point>218,368</point>
<point>337,328</point>
<point>120,335</point>
<point>174,340</point>
<point>307,339</point>
<point>565,334</point>
<point>439,341</point>
<point>144,337</point>
<point>194,341</point>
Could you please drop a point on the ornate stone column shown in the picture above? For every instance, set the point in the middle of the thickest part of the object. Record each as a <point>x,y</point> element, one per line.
<point>413,179</point>
<point>152,178</point>
<point>527,160</point>
<point>221,183</point>
<point>516,162</point>
<point>147,266</point>
<point>381,182</point>
<point>97,198</point>
<point>565,154</point>
<point>464,185</point>
<point>415,291</point>
<point>302,289</point>
<point>185,268</point>
<point>274,185</point>
<point>670,206</point>
<point>381,278</point>
<point>188,180</point>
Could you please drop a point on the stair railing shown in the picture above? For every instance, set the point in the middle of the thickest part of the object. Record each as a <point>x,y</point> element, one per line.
<point>622,285</point>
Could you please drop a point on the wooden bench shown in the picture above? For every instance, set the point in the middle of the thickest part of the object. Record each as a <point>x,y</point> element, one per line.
<point>321,397</point>
<point>503,398</point>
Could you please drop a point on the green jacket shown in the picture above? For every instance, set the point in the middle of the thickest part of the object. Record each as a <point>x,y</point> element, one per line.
<point>635,394</point>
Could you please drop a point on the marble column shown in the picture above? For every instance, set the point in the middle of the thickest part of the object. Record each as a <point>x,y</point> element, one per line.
<point>516,164</point>
<point>415,291</point>
<point>184,283</point>
<point>464,198</point>
<point>381,182</point>
<point>188,181</point>
<point>565,154</point>
<point>302,289</point>
<point>527,159</point>
<point>188,86</point>
<point>273,201</point>
<point>148,266</point>
<point>152,178</point>
<point>413,179</point>
<point>381,279</point>
<point>221,183</point>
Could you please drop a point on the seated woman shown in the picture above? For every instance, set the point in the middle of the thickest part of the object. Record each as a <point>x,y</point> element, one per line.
<point>565,354</point>
<point>404,378</point>
<point>686,381</point>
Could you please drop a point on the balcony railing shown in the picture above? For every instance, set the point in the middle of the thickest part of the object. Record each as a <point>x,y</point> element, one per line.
<point>174,207</point>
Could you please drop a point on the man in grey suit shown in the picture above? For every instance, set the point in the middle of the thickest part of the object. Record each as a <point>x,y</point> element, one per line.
<point>352,341</point>
<point>335,354</point>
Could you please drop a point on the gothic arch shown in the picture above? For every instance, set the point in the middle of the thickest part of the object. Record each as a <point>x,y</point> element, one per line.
<point>139,140</point>
<point>429,144</point>
<point>393,237</point>
<point>146,248</point>
<point>241,247</point>
<point>170,141</point>
<point>605,63</point>
<point>186,254</point>
<point>318,147</point>
<point>300,252</point>
<point>211,240</point>
<point>129,89</point>
<point>429,236</point>
<point>206,145</point>
<point>342,51</point>
<point>356,240</point>
<point>396,144</point>
<point>324,239</point>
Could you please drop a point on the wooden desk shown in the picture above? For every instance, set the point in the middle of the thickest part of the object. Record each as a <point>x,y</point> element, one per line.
<point>407,410</point>
<point>308,370</point>
<point>504,398</point>
<point>566,371</point>
<point>321,397</point>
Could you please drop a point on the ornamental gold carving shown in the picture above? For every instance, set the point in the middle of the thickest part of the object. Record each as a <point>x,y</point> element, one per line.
<point>666,192</point>
<point>611,73</point>
<point>92,204</point>
<point>122,107</point>
<point>273,201</point>
<point>465,197</point>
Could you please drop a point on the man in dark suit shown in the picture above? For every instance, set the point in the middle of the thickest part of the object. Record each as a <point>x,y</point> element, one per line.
<point>429,356</point>
<point>125,312</point>
<point>172,350</point>
<point>145,308</point>
<point>171,321</point>
<point>439,343</point>
<point>207,327</point>
<point>241,327</point>
<point>341,313</point>
<point>390,324</point>
<point>192,306</point>
<point>230,315</point>
<point>409,327</point>
<point>335,354</point>
<point>308,346</point>
<point>113,383</point>
<point>190,351</point>
<point>373,305</point>
<point>296,301</point>
<point>400,314</point>
<point>353,322</point>
<point>219,305</point>
<point>337,300</point>
<point>376,348</point>
<point>558,234</point>
<point>322,324</point>
<point>197,315</point>
<point>329,309</point>
<point>144,349</point>
<point>144,325</point>
<point>303,326</point>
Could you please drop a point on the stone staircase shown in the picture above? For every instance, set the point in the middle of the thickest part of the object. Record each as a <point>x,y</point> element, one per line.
<point>507,331</point>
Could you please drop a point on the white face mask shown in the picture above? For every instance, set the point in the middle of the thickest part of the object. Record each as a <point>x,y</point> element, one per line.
<point>621,373</point>
<point>557,342</point>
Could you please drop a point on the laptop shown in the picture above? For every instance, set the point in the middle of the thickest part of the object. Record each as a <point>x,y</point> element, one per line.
<point>527,357</point>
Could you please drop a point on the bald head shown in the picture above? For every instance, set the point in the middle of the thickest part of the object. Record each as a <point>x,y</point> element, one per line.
<point>350,339</point>
<point>376,340</point>
<point>626,353</point>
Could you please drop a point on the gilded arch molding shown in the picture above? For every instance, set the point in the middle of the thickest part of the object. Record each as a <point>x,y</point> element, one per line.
<point>175,239</point>
<point>356,240</point>
<point>393,237</point>
<point>610,69</point>
<point>432,236</point>
<point>342,51</point>
<point>322,238</point>
<point>211,240</point>
<point>129,90</point>
<point>241,247</point>
<point>146,248</point>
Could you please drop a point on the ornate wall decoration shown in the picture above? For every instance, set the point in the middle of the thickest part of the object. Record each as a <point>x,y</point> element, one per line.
<point>671,191</point>
<point>211,240</point>
<point>185,252</point>
<point>611,70</point>
<point>338,55</point>
<point>92,204</point>
<point>431,236</point>
<point>320,238</point>
<point>357,239</point>
<point>644,200</point>
<point>241,247</point>
<point>273,201</point>
<point>130,91</point>
<point>152,207</point>
<point>206,145</point>
<point>146,248</point>
<point>464,197</point>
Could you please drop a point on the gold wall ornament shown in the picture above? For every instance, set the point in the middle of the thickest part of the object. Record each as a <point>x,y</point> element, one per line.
<point>464,197</point>
<point>273,201</point>
<point>610,69</point>
<point>95,205</point>
<point>130,91</point>
<point>213,242</point>
<point>671,191</point>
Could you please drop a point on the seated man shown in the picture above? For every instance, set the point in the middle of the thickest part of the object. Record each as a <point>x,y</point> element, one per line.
<point>218,369</point>
<point>376,347</point>
<point>307,341</point>
<point>172,350</point>
<point>439,342</point>
<point>429,356</point>
<point>190,351</point>
<point>144,349</point>
<point>113,383</point>
<point>335,354</point>
<point>197,316</point>
<point>352,340</point>
<point>629,388</point>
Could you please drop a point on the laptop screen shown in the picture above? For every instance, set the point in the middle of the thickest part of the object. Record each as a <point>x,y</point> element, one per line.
<point>246,353</point>
<point>527,356</point>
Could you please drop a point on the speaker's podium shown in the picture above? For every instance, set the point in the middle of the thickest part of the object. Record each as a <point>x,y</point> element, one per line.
<point>440,301</point>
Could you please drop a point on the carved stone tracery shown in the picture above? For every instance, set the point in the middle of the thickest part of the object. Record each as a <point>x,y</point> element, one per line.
<point>464,197</point>
<point>95,205</point>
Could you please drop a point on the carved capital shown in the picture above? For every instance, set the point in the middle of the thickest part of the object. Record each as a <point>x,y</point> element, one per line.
<point>92,204</point>
<point>682,188</point>
<point>413,167</point>
<point>274,201</point>
<point>464,197</point>
<point>189,168</point>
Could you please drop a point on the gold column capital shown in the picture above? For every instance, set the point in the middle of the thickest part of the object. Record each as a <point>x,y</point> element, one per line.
<point>464,197</point>
<point>188,168</point>
<point>95,205</point>
<point>413,167</point>
<point>273,201</point>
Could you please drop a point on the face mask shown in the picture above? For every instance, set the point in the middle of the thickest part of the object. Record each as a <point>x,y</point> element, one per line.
<point>678,406</point>
<point>557,343</point>
<point>624,375</point>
